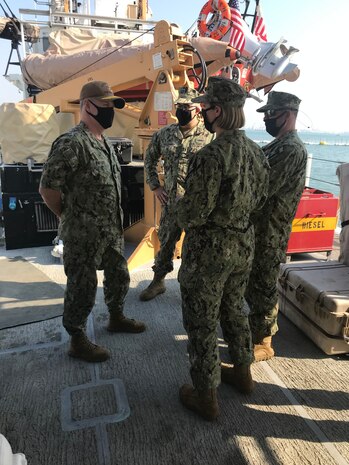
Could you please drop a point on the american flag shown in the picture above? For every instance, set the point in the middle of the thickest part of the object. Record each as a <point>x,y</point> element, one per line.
<point>237,38</point>
<point>259,27</point>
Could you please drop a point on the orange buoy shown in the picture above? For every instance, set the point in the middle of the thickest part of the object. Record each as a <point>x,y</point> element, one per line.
<point>221,27</point>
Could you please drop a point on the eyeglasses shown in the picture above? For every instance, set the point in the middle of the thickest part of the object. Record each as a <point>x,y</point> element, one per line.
<point>271,113</point>
<point>207,109</point>
<point>185,107</point>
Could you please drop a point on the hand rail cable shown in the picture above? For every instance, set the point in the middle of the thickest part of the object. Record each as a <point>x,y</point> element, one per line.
<point>331,161</point>
<point>325,182</point>
<point>102,58</point>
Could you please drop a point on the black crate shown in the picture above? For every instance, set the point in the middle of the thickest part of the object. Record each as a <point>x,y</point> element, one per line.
<point>27,221</point>
<point>132,200</point>
<point>18,178</point>
<point>123,148</point>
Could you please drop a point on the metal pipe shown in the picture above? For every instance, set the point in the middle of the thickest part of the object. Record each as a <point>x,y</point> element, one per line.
<point>308,169</point>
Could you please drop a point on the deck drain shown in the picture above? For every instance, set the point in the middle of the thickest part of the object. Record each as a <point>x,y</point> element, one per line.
<point>89,398</point>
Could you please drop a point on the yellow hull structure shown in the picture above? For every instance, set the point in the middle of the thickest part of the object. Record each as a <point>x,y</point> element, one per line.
<point>145,251</point>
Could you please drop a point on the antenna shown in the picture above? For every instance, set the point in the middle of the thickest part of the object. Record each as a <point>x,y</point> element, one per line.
<point>5,12</point>
<point>12,13</point>
<point>308,125</point>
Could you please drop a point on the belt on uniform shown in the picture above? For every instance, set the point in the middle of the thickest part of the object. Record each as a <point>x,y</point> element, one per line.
<point>345,223</point>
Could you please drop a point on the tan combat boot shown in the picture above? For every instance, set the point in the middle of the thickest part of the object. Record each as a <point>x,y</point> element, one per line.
<point>202,402</point>
<point>120,324</point>
<point>81,347</point>
<point>264,350</point>
<point>238,376</point>
<point>156,287</point>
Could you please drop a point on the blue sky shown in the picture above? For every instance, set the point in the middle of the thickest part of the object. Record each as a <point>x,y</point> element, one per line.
<point>316,27</point>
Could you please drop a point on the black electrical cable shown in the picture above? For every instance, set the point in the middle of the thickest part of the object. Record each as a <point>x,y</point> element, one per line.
<point>200,80</point>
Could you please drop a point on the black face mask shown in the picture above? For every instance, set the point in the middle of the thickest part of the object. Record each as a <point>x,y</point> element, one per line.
<point>104,116</point>
<point>208,125</point>
<point>271,126</point>
<point>184,116</point>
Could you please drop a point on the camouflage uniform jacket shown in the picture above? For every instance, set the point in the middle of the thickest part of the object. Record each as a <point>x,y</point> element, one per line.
<point>176,149</point>
<point>87,173</point>
<point>227,180</point>
<point>287,157</point>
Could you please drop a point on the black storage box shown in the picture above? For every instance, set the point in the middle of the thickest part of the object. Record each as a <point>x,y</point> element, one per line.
<point>132,200</point>
<point>19,178</point>
<point>123,148</point>
<point>27,221</point>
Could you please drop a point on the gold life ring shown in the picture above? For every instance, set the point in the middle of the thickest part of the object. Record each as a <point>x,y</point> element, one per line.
<point>222,25</point>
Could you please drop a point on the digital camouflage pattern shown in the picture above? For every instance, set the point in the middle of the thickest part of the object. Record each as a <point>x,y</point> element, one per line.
<point>281,101</point>
<point>169,234</point>
<point>287,158</point>
<point>227,181</point>
<point>80,294</point>
<point>185,95</point>
<point>87,173</point>
<point>221,91</point>
<point>175,149</point>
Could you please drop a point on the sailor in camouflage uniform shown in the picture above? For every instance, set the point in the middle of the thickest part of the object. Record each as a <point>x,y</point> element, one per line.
<point>175,145</point>
<point>81,184</point>
<point>227,181</point>
<point>287,158</point>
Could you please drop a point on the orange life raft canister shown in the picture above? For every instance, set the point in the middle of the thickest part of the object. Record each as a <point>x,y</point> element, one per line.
<point>221,27</point>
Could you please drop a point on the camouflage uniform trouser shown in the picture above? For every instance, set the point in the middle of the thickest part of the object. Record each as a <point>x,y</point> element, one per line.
<point>81,270</point>
<point>169,234</point>
<point>213,278</point>
<point>261,293</point>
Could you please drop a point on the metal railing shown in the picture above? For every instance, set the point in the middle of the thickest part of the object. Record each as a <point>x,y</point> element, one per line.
<point>81,21</point>
<point>308,176</point>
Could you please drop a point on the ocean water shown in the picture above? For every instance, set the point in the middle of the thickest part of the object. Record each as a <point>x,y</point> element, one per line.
<point>328,151</point>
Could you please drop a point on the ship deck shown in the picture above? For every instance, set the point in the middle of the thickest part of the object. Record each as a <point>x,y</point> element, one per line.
<point>58,410</point>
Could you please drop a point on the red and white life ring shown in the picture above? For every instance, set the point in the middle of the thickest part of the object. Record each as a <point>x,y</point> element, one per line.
<point>221,27</point>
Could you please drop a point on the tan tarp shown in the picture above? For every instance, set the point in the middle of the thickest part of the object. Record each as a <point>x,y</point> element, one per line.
<point>3,22</point>
<point>10,28</point>
<point>27,130</point>
<point>70,41</point>
<point>46,71</point>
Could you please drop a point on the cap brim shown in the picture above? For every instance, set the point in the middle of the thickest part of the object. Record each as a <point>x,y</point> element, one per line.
<point>264,108</point>
<point>200,99</point>
<point>272,107</point>
<point>119,102</point>
<point>183,101</point>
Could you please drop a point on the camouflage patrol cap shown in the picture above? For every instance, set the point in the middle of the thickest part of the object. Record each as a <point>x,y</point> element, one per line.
<point>221,90</point>
<point>185,95</point>
<point>99,90</point>
<point>280,101</point>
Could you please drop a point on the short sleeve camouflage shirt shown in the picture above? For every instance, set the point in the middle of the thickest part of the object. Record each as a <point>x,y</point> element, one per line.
<point>175,149</point>
<point>87,173</point>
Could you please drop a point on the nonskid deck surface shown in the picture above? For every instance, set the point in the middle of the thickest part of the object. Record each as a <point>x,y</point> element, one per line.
<point>60,411</point>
